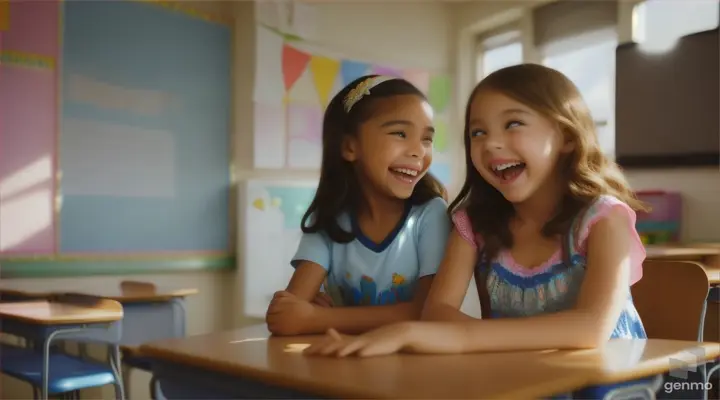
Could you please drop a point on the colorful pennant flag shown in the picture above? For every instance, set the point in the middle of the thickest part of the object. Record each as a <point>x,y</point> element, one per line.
<point>294,62</point>
<point>325,71</point>
<point>439,93</point>
<point>387,71</point>
<point>421,79</point>
<point>351,70</point>
<point>440,141</point>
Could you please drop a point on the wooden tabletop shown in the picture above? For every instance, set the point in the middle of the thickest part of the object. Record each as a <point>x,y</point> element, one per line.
<point>10,289</point>
<point>686,252</point>
<point>137,296</point>
<point>624,359</point>
<point>55,313</point>
<point>251,353</point>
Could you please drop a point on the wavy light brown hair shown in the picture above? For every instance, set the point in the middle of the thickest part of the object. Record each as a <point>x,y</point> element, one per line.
<point>588,172</point>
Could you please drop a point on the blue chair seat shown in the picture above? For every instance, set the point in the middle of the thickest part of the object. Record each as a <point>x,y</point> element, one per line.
<point>67,373</point>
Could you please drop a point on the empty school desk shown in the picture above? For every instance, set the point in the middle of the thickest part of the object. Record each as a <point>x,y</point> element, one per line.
<point>79,319</point>
<point>704,253</point>
<point>247,363</point>
<point>151,313</point>
<point>9,291</point>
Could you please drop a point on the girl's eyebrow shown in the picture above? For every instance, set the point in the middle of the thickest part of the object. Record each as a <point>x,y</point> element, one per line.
<point>429,128</point>
<point>515,111</point>
<point>504,112</point>
<point>397,122</point>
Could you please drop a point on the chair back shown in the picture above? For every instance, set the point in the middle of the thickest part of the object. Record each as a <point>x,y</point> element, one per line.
<point>670,299</point>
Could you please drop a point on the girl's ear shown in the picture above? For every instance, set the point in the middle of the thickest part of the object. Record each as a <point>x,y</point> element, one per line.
<point>349,148</point>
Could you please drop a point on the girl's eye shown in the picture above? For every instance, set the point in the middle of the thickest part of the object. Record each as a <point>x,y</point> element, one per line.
<point>476,133</point>
<point>400,134</point>
<point>428,139</point>
<point>513,124</point>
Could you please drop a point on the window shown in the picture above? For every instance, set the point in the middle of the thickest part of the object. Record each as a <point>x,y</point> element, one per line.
<point>497,51</point>
<point>591,67</point>
<point>657,24</point>
<point>500,57</point>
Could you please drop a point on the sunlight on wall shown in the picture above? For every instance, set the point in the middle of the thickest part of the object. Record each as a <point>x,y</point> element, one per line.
<point>34,174</point>
<point>24,198</point>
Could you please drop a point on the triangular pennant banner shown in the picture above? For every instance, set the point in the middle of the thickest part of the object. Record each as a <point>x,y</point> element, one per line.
<point>439,92</point>
<point>351,70</point>
<point>325,71</point>
<point>421,79</point>
<point>294,62</point>
<point>387,71</point>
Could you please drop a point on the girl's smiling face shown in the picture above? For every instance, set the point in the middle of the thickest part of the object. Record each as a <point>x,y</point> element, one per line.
<point>393,148</point>
<point>512,147</point>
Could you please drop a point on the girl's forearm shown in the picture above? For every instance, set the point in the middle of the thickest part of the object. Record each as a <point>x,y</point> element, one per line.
<point>565,330</point>
<point>442,312</point>
<point>354,320</point>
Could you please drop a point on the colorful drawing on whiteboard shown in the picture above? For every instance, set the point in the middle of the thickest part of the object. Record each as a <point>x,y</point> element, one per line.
<point>272,218</point>
<point>293,87</point>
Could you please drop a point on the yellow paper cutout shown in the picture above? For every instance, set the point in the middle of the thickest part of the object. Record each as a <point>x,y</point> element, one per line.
<point>276,202</point>
<point>325,71</point>
<point>4,15</point>
<point>26,59</point>
<point>259,204</point>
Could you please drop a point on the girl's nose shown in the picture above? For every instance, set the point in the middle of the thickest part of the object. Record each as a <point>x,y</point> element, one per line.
<point>416,149</point>
<point>495,141</point>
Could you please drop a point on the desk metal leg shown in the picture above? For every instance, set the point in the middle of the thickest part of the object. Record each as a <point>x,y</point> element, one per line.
<point>114,362</point>
<point>644,390</point>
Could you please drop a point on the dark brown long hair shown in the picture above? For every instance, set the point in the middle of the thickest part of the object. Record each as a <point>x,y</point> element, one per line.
<point>338,190</point>
<point>587,171</point>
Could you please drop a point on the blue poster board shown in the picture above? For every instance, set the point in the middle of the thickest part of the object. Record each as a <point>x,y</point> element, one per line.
<point>144,145</point>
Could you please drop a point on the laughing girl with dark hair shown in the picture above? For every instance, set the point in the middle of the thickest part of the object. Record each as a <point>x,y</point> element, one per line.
<point>376,230</point>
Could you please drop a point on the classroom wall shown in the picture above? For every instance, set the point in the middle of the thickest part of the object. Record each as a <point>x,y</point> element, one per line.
<point>396,34</point>
<point>700,186</point>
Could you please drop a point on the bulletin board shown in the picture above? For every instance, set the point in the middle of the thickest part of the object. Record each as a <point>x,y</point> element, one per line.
<point>29,50</point>
<point>145,128</point>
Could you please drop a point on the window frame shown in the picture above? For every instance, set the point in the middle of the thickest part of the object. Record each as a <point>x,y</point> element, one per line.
<point>493,39</point>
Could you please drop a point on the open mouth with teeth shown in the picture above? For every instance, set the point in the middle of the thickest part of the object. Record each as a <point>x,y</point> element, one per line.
<point>406,175</point>
<point>508,171</point>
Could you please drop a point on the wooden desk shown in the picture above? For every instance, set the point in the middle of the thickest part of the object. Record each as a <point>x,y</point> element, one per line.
<point>50,313</point>
<point>625,360</point>
<point>681,252</point>
<point>132,295</point>
<point>707,254</point>
<point>11,292</point>
<point>82,319</point>
<point>227,361</point>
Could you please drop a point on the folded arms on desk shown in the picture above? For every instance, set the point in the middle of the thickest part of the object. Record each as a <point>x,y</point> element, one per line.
<point>292,312</point>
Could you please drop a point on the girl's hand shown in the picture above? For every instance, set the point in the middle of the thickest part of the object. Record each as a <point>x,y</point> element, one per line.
<point>386,340</point>
<point>323,300</point>
<point>289,314</point>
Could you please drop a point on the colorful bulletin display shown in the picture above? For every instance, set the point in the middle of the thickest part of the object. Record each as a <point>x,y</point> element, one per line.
<point>145,129</point>
<point>293,87</point>
<point>272,214</point>
<point>29,47</point>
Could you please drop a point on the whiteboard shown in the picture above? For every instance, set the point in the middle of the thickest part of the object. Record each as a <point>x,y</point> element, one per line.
<point>270,224</point>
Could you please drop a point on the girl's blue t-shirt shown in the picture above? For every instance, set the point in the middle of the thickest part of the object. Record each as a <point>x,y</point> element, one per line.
<point>363,272</point>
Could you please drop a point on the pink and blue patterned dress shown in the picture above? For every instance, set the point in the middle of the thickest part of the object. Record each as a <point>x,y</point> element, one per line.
<point>517,291</point>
